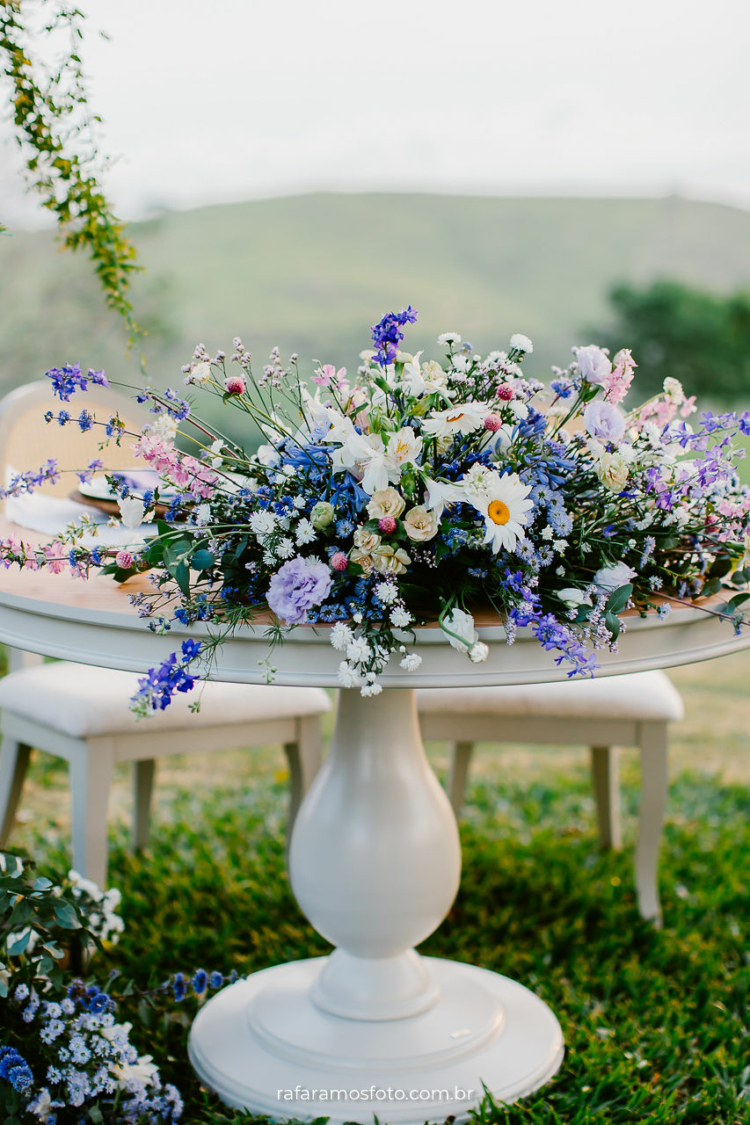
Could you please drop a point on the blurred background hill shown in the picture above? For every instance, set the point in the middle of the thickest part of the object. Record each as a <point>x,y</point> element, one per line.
<point>312,272</point>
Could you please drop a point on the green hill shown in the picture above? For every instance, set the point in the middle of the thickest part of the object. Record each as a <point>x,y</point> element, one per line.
<point>311,273</point>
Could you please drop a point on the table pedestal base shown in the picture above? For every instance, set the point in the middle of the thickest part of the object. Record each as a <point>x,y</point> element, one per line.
<point>264,1045</point>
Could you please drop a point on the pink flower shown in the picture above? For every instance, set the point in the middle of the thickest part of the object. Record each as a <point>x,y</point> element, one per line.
<point>124,560</point>
<point>505,392</point>
<point>57,557</point>
<point>339,561</point>
<point>327,375</point>
<point>235,384</point>
<point>387,524</point>
<point>493,422</point>
<point>688,407</point>
<point>617,383</point>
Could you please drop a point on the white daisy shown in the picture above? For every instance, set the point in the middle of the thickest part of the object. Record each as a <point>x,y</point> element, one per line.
<point>504,509</point>
<point>465,418</point>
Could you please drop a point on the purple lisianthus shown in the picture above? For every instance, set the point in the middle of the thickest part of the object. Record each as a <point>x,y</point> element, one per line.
<point>604,421</point>
<point>593,364</point>
<point>296,587</point>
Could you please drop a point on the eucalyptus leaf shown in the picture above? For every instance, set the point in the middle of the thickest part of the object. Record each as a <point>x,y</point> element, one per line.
<point>619,598</point>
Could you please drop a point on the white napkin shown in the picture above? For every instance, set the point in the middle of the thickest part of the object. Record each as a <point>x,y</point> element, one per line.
<point>52,514</point>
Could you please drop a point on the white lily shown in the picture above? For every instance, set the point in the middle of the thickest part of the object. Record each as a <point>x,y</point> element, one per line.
<point>440,494</point>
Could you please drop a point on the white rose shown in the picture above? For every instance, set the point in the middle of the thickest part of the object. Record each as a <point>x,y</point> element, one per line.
<point>612,470</point>
<point>572,597</point>
<point>420,525</point>
<point>385,502</point>
<point>613,576</point>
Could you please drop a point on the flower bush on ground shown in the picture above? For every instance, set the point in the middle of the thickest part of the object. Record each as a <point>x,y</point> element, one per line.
<point>66,1054</point>
<point>415,491</point>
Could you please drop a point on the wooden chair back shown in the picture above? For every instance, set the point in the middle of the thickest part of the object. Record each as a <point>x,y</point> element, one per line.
<point>27,441</point>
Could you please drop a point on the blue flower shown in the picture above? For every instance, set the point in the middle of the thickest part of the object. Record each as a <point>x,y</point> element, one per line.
<point>15,1069</point>
<point>200,982</point>
<point>387,334</point>
<point>85,421</point>
<point>179,987</point>
<point>216,980</point>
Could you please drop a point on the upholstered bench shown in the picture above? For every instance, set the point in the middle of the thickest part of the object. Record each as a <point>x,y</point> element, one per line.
<point>603,713</point>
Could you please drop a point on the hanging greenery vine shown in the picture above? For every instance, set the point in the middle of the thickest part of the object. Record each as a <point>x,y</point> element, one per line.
<point>54,128</point>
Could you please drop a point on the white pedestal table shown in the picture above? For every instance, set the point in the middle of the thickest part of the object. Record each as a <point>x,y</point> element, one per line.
<point>374,864</point>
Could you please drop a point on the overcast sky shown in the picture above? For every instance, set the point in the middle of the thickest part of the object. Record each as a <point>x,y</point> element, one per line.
<point>233,99</point>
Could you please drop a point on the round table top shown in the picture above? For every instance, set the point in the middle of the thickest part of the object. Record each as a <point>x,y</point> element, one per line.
<point>92,622</point>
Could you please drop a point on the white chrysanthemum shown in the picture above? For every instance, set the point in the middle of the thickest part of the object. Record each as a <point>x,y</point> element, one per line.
<point>341,635</point>
<point>285,548</point>
<point>504,508</point>
<point>411,662</point>
<point>400,617</point>
<point>478,652</point>
<point>348,677</point>
<point>386,592</point>
<point>370,689</point>
<point>305,532</point>
<point>358,651</point>
<point>449,338</point>
<point>521,343</point>
<point>262,522</point>
<point>464,418</point>
<point>164,427</point>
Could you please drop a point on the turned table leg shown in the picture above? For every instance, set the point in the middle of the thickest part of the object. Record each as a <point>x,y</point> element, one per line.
<point>374,864</point>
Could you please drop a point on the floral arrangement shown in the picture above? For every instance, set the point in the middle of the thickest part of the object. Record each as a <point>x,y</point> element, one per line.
<point>414,491</point>
<point>66,1051</point>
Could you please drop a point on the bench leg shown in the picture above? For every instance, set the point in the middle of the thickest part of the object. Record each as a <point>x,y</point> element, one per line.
<point>303,757</point>
<point>91,772</point>
<point>654,780</point>
<point>143,788</point>
<point>605,772</point>
<point>14,762</point>
<point>459,771</point>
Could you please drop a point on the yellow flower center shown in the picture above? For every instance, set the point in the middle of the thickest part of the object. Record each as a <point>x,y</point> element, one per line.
<point>498,512</point>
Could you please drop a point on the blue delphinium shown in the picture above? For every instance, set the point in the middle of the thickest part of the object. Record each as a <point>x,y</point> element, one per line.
<point>68,379</point>
<point>387,334</point>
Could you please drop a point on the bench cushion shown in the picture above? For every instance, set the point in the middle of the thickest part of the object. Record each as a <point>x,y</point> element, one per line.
<point>642,696</point>
<point>84,701</point>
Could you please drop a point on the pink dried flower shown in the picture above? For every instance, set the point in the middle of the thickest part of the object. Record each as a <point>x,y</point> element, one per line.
<point>505,392</point>
<point>235,384</point>
<point>493,422</point>
<point>339,561</point>
<point>124,560</point>
<point>387,524</point>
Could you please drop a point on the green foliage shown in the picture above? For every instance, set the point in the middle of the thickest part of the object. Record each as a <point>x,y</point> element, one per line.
<point>53,127</point>
<point>655,1022</point>
<point>675,330</point>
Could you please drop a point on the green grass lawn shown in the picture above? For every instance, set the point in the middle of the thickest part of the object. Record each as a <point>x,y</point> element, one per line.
<point>655,1022</point>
